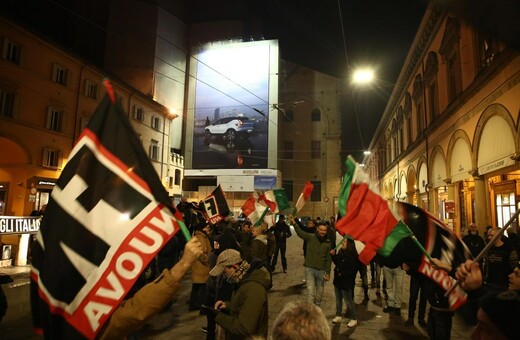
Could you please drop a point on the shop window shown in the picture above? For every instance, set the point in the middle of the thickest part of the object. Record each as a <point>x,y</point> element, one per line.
<point>506,207</point>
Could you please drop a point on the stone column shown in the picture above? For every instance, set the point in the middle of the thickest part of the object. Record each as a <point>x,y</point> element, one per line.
<point>481,201</point>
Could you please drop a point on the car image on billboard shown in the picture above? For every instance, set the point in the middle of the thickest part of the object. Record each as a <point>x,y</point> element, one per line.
<point>231,113</point>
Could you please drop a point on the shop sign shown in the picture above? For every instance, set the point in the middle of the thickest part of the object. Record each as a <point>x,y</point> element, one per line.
<point>502,163</point>
<point>19,225</point>
<point>449,206</point>
<point>46,183</point>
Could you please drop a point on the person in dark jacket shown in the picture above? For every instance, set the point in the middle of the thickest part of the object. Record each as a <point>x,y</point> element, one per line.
<point>218,288</point>
<point>246,314</point>
<point>347,264</point>
<point>473,240</point>
<point>281,233</point>
<point>418,284</point>
<point>500,261</point>
<point>246,238</point>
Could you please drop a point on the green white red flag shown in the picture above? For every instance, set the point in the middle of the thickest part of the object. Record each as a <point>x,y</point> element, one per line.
<point>276,200</point>
<point>366,215</point>
<point>305,196</point>
<point>254,210</point>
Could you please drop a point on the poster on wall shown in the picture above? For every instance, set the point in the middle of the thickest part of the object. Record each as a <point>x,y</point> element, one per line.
<point>231,114</point>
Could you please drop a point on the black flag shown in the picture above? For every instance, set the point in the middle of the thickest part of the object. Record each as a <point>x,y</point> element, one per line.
<point>107,217</point>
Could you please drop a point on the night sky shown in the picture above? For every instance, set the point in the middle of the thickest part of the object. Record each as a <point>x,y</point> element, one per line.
<point>378,33</point>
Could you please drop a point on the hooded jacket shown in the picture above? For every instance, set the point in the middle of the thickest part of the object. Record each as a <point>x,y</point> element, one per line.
<point>248,309</point>
<point>258,248</point>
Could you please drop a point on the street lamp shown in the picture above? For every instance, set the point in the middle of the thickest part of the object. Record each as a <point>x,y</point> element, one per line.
<point>363,76</point>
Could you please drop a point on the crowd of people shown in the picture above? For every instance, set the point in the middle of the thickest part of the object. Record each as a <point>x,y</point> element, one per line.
<point>232,262</point>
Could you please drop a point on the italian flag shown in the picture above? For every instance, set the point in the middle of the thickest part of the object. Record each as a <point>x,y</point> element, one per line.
<point>366,215</point>
<point>254,210</point>
<point>276,200</point>
<point>305,196</point>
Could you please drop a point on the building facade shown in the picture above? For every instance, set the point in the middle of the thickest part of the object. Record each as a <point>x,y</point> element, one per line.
<point>46,98</point>
<point>448,139</point>
<point>310,137</point>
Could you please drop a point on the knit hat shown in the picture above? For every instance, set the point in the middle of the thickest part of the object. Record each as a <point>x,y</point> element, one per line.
<point>228,257</point>
<point>502,308</point>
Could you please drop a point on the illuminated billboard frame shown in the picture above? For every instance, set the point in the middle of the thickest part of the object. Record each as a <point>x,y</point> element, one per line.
<point>230,121</point>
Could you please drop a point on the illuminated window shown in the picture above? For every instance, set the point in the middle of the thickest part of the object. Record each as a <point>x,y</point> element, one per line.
<point>506,208</point>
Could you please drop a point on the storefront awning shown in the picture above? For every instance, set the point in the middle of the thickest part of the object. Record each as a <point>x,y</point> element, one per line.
<point>460,161</point>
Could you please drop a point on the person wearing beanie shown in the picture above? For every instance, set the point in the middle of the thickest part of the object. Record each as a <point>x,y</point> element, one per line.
<point>246,314</point>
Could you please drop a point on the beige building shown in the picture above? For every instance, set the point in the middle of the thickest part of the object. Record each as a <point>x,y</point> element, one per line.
<point>46,98</point>
<point>448,139</point>
<point>309,140</point>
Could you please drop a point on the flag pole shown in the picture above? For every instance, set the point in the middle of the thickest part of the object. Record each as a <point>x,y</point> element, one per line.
<point>418,244</point>
<point>184,230</point>
<point>340,242</point>
<point>487,247</point>
<point>110,90</point>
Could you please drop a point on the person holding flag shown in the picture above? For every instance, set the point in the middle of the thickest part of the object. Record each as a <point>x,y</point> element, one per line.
<point>318,260</point>
<point>133,313</point>
<point>107,218</point>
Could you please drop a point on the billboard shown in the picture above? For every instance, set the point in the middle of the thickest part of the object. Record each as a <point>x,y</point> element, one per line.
<point>235,87</point>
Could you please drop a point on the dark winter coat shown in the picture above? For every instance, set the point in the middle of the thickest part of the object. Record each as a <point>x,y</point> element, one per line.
<point>248,309</point>
<point>347,265</point>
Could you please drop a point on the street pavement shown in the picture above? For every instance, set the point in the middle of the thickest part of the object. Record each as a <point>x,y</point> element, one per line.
<point>179,323</point>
